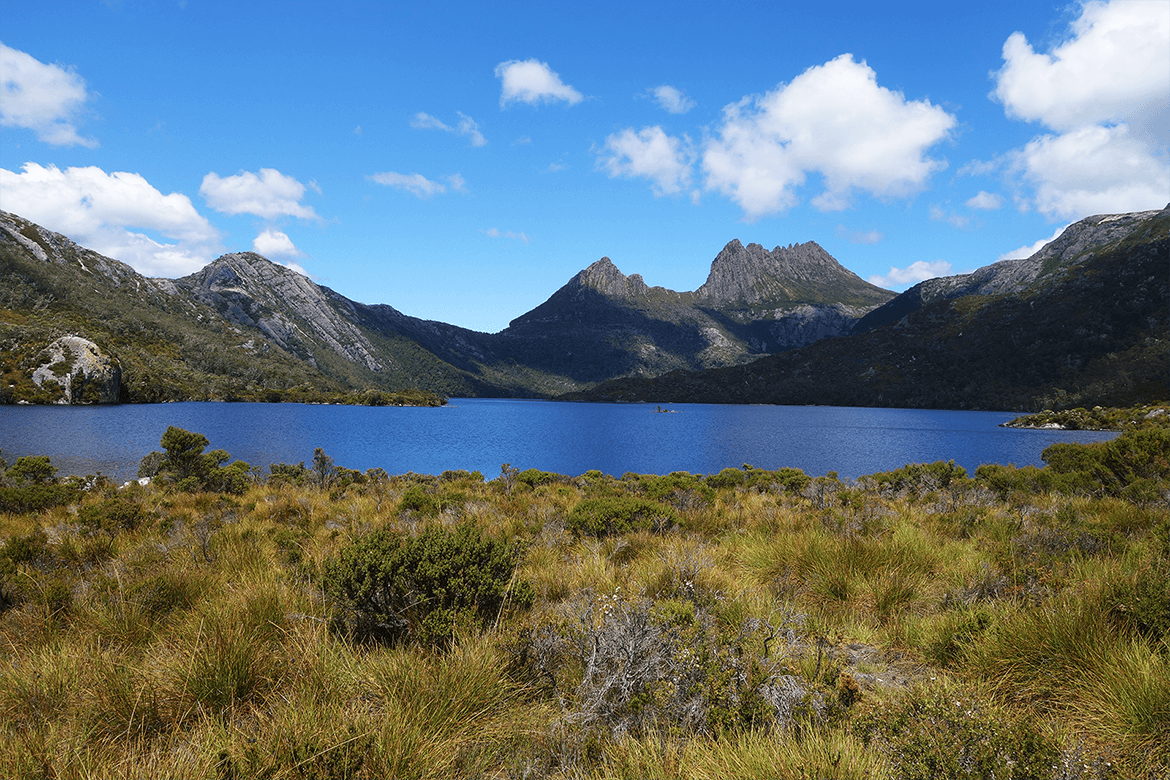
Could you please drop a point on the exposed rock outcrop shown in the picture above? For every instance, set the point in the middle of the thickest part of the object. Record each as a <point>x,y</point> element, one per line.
<point>286,306</point>
<point>82,372</point>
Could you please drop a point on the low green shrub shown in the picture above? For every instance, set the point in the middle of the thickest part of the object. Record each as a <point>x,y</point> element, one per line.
<point>389,587</point>
<point>680,489</point>
<point>933,733</point>
<point>618,515</point>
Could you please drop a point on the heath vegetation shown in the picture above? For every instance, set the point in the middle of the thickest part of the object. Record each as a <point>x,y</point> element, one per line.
<point>318,621</point>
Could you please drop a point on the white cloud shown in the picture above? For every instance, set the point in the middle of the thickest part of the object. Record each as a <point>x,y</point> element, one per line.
<point>672,99</point>
<point>918,271</point>
<point>497,233</point>
<point>1031,249</point>
<point>985,201</point>
<point>1103,92</point>
<point>268,195</point>
<point>414,183</point>
<point>1114,66</point>
<point>98,210</point>
<point>468,127</point>
<point>650,154</point>
<point>1093,170</point>
<point>939,214</point>
<point>457,182</point>
<point>532,81</point>
<point>859,236</point>
<point>43,98</point>
<point>275,243</point>
<point>833,119</point>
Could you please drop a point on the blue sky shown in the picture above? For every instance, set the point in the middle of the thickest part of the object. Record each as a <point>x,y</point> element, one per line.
<point>462,161</point>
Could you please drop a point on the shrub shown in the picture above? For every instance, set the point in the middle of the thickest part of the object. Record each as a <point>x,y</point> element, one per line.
<point>936,733</point>
<point>391,587</point>
<point>419,500</point>
<point>35,487</point>
<point>681,490</point>
<point>920,478</point>
<point>286,473</point>
<point>618,515</point>
<point>192,469</point>
<point>727,478</point>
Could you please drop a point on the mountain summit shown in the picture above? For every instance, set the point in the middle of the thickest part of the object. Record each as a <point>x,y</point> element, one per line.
<point>244,326</point>
<point>751,277</point>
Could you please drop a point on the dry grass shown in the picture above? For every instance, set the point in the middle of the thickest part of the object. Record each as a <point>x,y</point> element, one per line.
<point>198,642</point>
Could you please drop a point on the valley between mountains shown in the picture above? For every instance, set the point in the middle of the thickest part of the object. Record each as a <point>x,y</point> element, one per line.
<point>1083,321</point>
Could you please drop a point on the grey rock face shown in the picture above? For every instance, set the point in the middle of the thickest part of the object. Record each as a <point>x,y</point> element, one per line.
<point>82,372</point>
<point>748,276</point>
<point>288,307</point>
<point>1081,241</point>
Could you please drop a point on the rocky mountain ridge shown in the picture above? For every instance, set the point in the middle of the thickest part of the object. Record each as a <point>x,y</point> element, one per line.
<point>1081,322</point>
<point>600,325</point>
<point>1079,242</point>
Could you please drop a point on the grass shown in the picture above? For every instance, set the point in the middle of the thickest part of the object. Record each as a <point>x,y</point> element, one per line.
<point>768,631</point>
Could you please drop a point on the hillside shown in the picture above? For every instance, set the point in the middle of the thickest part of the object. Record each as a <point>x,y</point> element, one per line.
<point>244,327</point>
<point>1081,322</point>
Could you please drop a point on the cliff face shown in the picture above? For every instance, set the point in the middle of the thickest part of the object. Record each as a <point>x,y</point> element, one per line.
<point>286,306</point>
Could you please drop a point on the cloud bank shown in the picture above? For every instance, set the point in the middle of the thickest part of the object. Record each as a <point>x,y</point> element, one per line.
<point>104,212</point>
<point>1102,93</point>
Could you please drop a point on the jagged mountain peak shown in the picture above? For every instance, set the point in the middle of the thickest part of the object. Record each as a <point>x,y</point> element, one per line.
<point>798,273</point>
<point>604,277</point>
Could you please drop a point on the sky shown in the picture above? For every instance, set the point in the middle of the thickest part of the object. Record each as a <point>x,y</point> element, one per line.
<point>461,161</point>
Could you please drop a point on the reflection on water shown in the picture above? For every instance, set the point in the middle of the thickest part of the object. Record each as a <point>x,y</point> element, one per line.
<point>567,438</point>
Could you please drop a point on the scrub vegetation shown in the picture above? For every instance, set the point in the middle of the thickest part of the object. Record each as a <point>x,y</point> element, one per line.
<point>319,621</point>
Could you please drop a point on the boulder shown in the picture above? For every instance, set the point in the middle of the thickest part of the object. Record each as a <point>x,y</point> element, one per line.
<point>84,374</point>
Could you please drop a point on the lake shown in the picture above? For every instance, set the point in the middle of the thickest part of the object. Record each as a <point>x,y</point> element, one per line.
<point>567,438</point>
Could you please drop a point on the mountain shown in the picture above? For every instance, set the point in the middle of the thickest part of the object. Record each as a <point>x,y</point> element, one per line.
<point>1081,322</point>
<point>244,327</point>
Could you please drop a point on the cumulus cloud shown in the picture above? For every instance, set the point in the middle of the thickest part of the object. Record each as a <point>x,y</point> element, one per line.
<point>1114,65</point>
<point>1102,92</point>
<point>275,243</point>
<point>101,211</point>
<point>414,183</point>
<point>269,195</point>
<point>672,99</point>
<point>533,81</point>
<point>467,126</point>
<point>833,119</point>
<point>46,99</point>
<point>985,201</point>
<point>918,271</point>
<point>650,154</point>
<point>1031,249</point>
<point>497,233</point>
<point>1093,170</point>
<point>859,236</point>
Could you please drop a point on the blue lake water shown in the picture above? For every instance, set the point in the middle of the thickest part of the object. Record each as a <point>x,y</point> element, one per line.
<point>567,438</point>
